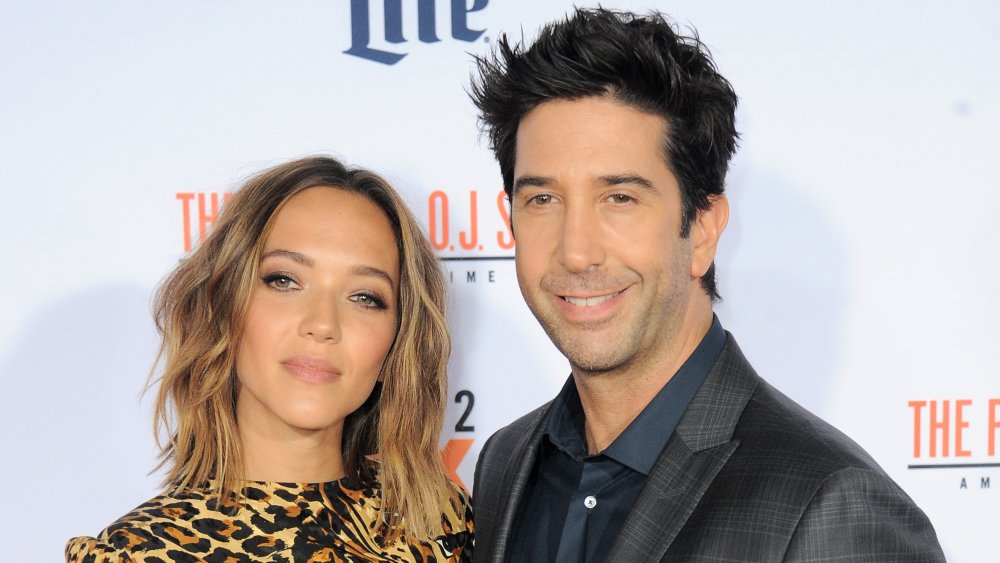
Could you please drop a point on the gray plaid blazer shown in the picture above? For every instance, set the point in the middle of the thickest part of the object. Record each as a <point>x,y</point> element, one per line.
<point>748,475</point>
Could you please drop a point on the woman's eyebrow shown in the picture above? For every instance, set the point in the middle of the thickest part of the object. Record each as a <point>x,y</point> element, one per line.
<point>359,270</point>
<point>372,271</point>
<point>289,254</point>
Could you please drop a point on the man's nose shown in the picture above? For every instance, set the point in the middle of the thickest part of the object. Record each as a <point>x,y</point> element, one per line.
<point>580,246</point>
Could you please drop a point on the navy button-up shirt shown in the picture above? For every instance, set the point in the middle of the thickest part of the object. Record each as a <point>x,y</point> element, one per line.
<point>576,503</point>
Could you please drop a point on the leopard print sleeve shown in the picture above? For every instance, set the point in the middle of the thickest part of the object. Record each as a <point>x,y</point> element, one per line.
<point>91,550</point>
<point>276,522</point>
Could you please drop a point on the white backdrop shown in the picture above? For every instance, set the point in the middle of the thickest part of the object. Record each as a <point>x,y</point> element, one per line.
<point>859,270</point>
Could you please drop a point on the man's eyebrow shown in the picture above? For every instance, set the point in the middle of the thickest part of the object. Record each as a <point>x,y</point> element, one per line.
<point>532,181</point>
<point>372,271</point>
<point>634,179</point>
<point>289,254</point>
<point>608,180</point>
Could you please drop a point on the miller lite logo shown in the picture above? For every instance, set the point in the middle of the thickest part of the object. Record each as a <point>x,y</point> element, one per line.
<point>363,28</point>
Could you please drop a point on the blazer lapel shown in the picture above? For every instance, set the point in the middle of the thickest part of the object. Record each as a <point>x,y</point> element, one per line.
<point>700,447</point>
<point>515,482</point>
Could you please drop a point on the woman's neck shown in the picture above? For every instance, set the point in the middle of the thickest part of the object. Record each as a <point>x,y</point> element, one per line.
<point>275,452</point>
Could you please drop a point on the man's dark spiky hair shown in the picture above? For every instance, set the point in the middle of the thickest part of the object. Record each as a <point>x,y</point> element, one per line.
<point>641,61</point>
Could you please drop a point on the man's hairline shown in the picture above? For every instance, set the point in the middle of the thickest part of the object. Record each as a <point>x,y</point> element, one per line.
<point>611,95</point>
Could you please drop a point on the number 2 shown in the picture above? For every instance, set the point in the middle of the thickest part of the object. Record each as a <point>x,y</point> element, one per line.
<point>461,426</point>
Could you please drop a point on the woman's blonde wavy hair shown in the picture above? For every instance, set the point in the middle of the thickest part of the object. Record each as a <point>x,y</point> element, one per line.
<point>200,310</point>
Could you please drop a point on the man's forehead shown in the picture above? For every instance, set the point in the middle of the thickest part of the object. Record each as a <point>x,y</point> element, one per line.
<point>598,137</point>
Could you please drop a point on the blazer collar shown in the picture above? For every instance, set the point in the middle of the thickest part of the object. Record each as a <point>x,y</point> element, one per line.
<point>699,448</point>
<point>516,482</point>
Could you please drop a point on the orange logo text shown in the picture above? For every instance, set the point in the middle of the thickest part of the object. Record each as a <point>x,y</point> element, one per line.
<point>941,427</point>
<point>453,454</point>
<point>198,213</point>
<point>445,234</point>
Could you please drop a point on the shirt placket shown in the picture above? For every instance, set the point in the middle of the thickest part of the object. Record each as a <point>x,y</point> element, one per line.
<point>598,472</point>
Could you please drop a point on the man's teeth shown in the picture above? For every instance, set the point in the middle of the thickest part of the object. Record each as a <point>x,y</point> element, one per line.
<point>589,301</point>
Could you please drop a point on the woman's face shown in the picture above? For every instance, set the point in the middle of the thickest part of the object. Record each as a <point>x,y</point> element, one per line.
<point>322,314</point>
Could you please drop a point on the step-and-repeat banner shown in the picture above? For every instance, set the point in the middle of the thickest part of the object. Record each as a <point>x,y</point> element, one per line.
<point>860,268</point>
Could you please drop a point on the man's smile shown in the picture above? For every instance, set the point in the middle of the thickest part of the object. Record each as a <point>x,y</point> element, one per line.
<point>589,301</point>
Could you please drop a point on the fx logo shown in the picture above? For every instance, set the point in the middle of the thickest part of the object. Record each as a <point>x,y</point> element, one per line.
<point>393,26</point>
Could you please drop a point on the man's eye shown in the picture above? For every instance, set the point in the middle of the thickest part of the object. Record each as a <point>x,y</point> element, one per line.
<point>540,199</point>
<point>620,198</point>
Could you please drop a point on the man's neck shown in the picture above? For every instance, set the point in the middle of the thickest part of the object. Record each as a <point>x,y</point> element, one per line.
<point>612,400</point>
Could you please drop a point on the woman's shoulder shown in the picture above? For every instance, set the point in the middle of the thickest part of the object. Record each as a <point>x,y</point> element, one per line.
<point>456,541</point>
<point>85,548</point>
<point>455,508</point>
<point>167,519</point>
<point>357,510</point>
<point>460,505</point>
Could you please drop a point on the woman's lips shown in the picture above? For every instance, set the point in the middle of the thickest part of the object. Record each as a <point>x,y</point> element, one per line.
<point>308,368</point>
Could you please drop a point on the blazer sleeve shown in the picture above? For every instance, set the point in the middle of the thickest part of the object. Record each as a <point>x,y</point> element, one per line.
<point>860,514</point>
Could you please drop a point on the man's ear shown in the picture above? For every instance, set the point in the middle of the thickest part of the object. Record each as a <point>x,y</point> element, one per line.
<point>706,229</point>
<point>508,205</point>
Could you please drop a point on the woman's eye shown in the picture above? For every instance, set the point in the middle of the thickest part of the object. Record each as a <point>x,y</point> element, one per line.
<point>369,301</point>
<point>280,282</point>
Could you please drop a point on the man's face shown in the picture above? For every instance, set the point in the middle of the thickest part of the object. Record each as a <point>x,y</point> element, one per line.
<point>597,216</point>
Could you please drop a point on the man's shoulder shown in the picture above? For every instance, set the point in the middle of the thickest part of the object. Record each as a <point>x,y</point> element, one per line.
<point>791,457</point>
<point>816,490</point>
<point>771,428</point>
<point>837,499</point>
<point>797,438</point>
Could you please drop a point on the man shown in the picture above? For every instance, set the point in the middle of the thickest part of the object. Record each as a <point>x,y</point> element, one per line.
<point>614,135</point>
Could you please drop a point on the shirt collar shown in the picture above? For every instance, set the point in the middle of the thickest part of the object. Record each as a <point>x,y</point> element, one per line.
<point>640,444</point>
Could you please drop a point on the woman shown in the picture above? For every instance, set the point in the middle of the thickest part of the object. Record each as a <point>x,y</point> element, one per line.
<point>304,353</point>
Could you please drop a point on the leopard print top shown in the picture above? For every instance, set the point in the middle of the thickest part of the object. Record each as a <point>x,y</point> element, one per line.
<point>278,522</point>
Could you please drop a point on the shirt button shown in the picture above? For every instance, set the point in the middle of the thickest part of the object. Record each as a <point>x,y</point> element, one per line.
<point>590,502</point>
